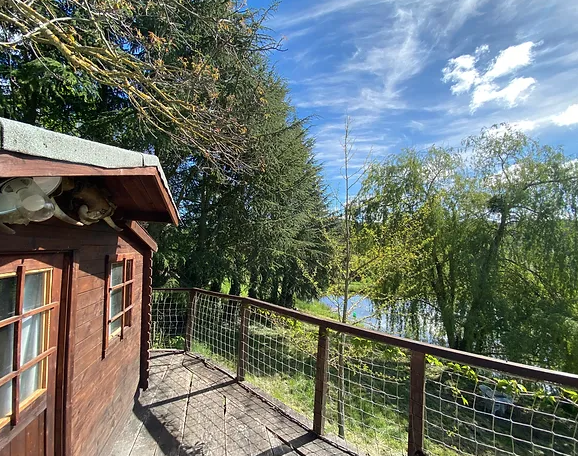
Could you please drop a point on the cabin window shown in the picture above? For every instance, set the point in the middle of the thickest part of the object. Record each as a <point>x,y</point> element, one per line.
<point>24,321</point>
<point>119,297</point>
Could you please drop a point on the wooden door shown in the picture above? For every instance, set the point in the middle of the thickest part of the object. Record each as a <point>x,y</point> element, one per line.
<point>30,290</point>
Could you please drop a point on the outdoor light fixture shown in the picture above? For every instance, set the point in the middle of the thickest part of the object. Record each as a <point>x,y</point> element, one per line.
<point>25,199</point>
<point>28,199</point>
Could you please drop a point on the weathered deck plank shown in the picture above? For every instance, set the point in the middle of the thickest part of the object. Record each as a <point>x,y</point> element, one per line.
<point>164,418</point>
<point>125,442</point>
<point>194,409</point>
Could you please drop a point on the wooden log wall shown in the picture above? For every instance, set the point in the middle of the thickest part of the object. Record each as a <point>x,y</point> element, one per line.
<point>100,390</point>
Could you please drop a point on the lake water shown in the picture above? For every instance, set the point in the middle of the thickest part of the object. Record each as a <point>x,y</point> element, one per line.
<point>400,321</point>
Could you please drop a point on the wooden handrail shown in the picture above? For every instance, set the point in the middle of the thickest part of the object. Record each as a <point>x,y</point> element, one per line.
<point>470,359</point>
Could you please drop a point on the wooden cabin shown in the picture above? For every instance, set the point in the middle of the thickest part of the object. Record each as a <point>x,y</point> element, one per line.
<point>75,288</point>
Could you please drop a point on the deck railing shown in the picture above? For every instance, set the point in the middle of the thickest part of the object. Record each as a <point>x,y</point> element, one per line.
<point>371,392</point>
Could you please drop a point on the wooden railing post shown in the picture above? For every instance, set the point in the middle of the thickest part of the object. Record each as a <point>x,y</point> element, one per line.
<point>416,402</point>
<point>321,373</point>
<point>242,349</point>
<point>191,315</point>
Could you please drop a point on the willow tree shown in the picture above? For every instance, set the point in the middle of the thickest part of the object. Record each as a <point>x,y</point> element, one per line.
<point>495,255</point>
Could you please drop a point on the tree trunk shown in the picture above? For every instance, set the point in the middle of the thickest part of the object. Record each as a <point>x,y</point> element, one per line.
<point>253,283</point>
<point>345,307</point>
<point>274,298</point>
<point>286,298</point>
<point>263,288</point>
<point>474,328</point>
<point>235,287</point>
<point>445,305</point>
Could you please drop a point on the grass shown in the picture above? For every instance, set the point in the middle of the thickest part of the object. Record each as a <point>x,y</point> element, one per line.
<point>316,308</point>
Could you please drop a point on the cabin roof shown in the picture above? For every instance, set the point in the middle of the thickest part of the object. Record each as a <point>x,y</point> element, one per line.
<point>136,180</point>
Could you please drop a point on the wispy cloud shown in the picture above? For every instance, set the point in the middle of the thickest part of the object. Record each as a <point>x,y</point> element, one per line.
<point>392,43</point>
<point>418,72</point>
<point>318,11</point>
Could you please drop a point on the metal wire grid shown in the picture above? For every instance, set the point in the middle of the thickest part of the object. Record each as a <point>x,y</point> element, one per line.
<point>375,385</point>
<point>168,318</point>
<point>214,328</point>
<point>485,413</point>
<point>467,411</point>
<point>281,354</point>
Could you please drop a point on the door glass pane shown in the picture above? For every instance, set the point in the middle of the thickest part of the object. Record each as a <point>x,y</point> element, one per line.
<point>115,302</point>
<point>114,326</point>
<point>6,399</point>
<point>116,274</point>
<point>30,381</point>
<point>34,291</point>
<point>129,269</point>
<point>6,349</point>
<point>31,338</point>
<point>7,297</point>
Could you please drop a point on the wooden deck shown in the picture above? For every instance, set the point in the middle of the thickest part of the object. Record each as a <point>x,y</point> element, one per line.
<point>191,408</point>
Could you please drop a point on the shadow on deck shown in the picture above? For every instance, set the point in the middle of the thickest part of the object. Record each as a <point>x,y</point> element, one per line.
<point>191,408</point>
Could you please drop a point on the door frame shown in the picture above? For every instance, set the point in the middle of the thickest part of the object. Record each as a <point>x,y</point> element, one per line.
<point>43,403</point>
<point>65,345</point>
<point>65,355</point>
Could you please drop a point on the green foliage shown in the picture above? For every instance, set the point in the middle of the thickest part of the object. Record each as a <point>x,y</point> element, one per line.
<point>482,240</point>
<point>238,160</point>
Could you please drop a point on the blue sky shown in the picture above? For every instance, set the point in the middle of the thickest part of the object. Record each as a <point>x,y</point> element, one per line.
<point>415,73</point>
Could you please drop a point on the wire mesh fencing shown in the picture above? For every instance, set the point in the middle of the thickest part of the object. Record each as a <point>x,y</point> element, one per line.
<point>370,384</point>
<point>281,358</point>
<point>214,328</point>
<point>368,395</point>
<point>169,311</point>
<point>481,412</point>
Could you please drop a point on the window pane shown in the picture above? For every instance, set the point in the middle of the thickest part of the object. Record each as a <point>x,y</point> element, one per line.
<point>129,269</point>
<point>128,299</point>
<point>116,274</point>
<point>34,292</point>
<point>6,399</point>
<point>7,297</point>
<point>114,326</point>
<point>31,338</point>
<point>30,381</point>
<point>115,302</point>
<point>6,349</point>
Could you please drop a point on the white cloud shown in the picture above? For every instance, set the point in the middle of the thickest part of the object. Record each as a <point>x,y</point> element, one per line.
<point>462,11</point>
<point>525,125</point>
<point>462,72</point>
<point>567,117</point>
<point>509,60</point>
<point>464,77</point>
<point>514,92</point>
<point>522,125</point>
